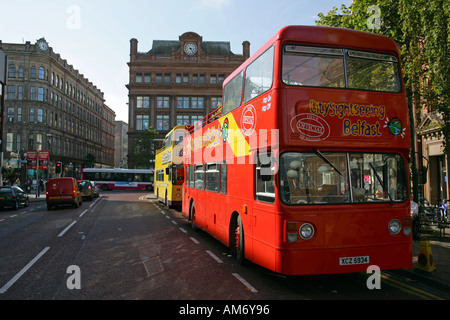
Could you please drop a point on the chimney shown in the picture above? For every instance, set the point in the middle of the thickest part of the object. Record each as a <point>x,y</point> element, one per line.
<point>133,49</point>
<point>246,49</point>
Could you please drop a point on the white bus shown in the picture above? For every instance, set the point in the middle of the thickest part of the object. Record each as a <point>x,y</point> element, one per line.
<point>121,179</point>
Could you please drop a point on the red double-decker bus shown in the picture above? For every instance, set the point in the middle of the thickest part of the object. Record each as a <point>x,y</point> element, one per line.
<point>304,169</point>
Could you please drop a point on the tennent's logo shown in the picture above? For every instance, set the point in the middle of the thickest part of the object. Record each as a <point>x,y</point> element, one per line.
<point>310,127</point>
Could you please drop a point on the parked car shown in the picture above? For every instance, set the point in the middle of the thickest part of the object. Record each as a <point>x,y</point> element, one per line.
<point>13,197</point>
<point>95,189</point>
<point>63,191</point>
<point>86,189</point>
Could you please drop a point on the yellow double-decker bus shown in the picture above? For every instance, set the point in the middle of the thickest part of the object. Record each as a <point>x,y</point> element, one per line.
<point>169,171</point>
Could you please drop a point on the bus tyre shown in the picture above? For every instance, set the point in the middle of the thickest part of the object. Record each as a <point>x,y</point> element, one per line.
<point>192,216</point>
<point>239,241</point>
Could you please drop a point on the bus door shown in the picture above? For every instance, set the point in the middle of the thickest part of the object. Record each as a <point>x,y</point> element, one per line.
<point>212,184</point>
<point>177,184</point>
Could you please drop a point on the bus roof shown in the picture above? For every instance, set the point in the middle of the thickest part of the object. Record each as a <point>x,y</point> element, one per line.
<point>325,36</point>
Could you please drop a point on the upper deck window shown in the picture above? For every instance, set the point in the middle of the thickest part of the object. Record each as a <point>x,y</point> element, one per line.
<point>340,68</point>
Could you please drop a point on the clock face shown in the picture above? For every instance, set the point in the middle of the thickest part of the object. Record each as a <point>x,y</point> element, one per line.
<point>43,45</point>
<point>190,48</point>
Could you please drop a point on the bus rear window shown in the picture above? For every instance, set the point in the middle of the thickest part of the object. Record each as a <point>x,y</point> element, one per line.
<point>340,68</point>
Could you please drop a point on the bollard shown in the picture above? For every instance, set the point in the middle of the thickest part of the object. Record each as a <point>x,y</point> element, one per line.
<point>425,260</point>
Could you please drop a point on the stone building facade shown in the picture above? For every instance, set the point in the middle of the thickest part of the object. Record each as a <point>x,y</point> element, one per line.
<point>177,82</point>
<point>51,106</point>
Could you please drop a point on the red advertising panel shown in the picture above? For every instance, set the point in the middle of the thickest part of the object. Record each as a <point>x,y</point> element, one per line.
<point>32,156</point>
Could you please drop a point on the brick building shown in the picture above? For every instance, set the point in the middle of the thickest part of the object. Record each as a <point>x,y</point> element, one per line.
<point>177,82</point>
<point>51,106</point>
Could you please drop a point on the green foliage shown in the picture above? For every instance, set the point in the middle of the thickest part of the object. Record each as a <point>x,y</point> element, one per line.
<point>421,29</point>
<point>144,148</point>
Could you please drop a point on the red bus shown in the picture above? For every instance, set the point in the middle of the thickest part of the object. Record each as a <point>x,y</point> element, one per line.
<point>304,170</point>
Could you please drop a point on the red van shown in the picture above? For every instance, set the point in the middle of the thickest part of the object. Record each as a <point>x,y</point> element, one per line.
<point>63,191</point>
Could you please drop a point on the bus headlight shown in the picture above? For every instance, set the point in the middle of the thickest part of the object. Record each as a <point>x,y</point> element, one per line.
<point>306,231</point>
<point>394,226</point>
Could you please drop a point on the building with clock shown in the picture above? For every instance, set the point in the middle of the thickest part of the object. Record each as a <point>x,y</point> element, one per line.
<point>49,105</point>
<point>176,82</point>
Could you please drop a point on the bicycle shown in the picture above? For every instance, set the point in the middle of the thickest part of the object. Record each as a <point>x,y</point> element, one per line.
<point>441,216</point>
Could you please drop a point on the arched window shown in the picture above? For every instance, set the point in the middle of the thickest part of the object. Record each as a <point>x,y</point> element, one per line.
<point>41,73</point>
<point>12,71</point>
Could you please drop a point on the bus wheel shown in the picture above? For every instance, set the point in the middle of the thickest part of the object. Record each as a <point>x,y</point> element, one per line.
<point>192,216</point>
<point>239,241</point>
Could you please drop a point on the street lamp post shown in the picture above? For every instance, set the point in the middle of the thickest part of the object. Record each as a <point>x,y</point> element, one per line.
<point>38,187</point>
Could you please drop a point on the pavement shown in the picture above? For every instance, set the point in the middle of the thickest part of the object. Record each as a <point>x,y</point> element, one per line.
<point>439,249</point>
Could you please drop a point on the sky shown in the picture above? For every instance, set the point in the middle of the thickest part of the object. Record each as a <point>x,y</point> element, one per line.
<point>94,35</point>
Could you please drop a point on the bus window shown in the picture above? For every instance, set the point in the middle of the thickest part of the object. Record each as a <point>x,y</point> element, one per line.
<point>199,177</point>
<point>177,174</point>
<point>223,177</point>
<point>191,176</point>
<point>313,66</point>
<point>259,75</point>
<point>373,71</point>
<point>212,177</point>
<point>265,182</point>
<point>232,94</point>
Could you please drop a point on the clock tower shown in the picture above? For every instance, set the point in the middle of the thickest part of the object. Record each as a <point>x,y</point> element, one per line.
<point>190,44</point>
<point>42,44</point>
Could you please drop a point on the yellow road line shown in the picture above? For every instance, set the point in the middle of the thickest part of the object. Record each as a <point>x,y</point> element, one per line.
<point>410,289</point>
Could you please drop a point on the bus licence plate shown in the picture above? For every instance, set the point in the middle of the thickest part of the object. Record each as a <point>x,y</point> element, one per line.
<point>345,261</point>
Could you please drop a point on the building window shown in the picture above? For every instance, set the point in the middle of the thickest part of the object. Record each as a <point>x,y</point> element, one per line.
<point>178,78</point>
<point>183,120</point>
<point>194,119</point>
<point>162,122</point>
<point>19,114</point>
<point>167,78</point>
<point>19,93</point>
<point>12,71</point>
<point>185,78</point>
<point>198,102</point>
<point>216,102</point>
<point>11,92</point>
<point>20,72</point>
<point>31,115</point>
<point>142,122</point>
<point>143,102</point>
<point>40,115</point>
<point>195,78</point>
<point>9,141</point>
<point>10,114</point>
<point>202,79</point>
<point>41,73</point>
<point>32,93</point>
<point>33,73</point>
<point>138,77</point>
<point>19,141</point>
<point>162,102</point>
<point>183,102</point>
<point>147,77</point>
<point>159,78</point>
<point>40,94</point>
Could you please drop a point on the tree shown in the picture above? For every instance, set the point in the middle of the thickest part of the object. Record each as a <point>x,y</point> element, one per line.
<point>89,161</point>
<point>144,148</point>
<point>420,28</point>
